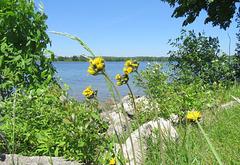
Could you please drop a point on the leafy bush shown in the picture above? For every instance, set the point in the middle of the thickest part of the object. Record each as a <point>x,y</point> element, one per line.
<point>174,96</point>
<point>44,122</point>
<point>199,57</point>
<point>23,41</point>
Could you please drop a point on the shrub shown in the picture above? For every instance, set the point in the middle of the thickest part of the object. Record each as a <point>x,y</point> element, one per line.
<point>174,96</point>
<point>44,122</point>
<point>23,42</point>
<point>199,57</point>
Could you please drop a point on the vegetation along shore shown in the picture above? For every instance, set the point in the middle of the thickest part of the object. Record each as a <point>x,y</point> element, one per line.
<point>189,114</point>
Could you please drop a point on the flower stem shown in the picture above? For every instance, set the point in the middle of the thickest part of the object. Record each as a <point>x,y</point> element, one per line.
<point>156,115</point>
<point>139,131</point>
<point>114,88</point>
<point>125,116</point>
<point>119,139</point>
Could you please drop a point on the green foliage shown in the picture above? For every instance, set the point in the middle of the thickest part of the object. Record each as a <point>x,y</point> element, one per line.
<point>219,12</point>
<point>23,41</point>
<point>198,57</point>
<point>190,148</point>
<point>174,96</point>
<point>236,65</point>
<point>47,123</point>
<point>75,58</point>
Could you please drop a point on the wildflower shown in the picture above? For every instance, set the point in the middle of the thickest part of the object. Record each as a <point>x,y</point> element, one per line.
<point>132,66</point>
<point>91,71</point>
<point>125,71</point>
<point>112,161</point>
<point>122,79</point>
<point>89,93</point>
<point>96,66</point>
<point>190,115</point>
<point>118,77</point>
<point>128,63</point>
<point>129,70</point>
<point>119,83</point>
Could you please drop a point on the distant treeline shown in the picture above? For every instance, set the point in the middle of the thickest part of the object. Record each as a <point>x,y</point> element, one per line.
<point>111,59</point>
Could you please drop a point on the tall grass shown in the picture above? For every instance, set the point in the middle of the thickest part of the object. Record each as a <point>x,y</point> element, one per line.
<point>221,126</point>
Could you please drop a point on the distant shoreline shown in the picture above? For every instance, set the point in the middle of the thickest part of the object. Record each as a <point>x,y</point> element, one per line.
<point>111,59</point>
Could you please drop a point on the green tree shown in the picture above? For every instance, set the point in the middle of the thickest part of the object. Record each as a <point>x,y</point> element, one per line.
<point>238,34</point>
<point>236,65</point>
<point>75,58</point>
<point>220,12</point>
<point>198,57</point>
<point>23,40</point>
<point>60,58</point>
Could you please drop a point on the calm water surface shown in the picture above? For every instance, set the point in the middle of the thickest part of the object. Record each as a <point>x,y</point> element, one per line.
<point>75,75</point>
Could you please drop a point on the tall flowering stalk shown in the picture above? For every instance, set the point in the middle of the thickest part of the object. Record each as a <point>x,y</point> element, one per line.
<point>97,66</point>
<point>90,94</point>
<point>135,65</point>
<point>123,79</point>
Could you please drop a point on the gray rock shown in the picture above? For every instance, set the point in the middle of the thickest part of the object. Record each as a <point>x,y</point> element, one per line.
<point>110,102</point>
<point>142,104</point>
<point>174,118</point>
<point>146,130</point>
<point>36,160</point>
<point>119,122</point>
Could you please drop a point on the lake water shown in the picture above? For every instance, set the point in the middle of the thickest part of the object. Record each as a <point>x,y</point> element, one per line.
<point>74,74</point>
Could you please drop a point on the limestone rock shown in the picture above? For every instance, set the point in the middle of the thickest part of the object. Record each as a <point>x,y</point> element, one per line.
<point>35,160</point>
<point>119,122</point>
<point>147,130</point>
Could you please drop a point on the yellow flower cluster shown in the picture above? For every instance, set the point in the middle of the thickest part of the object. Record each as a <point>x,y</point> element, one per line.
<point>190,115</point>
<point>122,79</point>
<point>89,93</point>
<point>96,66</point>
<point>131,67</point>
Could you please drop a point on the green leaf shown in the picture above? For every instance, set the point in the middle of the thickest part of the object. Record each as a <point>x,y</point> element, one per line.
<point>43,74</point>
<point>66,86</point>
<point>94,115</point>
<point>28,61</point>
<point>17,57</point>
<point>56,152</point>
<point>1,61</point>
<point>48,79</point>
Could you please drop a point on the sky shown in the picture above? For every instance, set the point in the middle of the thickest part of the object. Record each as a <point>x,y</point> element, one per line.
<point>123,28</point>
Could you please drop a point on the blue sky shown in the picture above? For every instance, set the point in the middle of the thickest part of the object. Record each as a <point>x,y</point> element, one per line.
<point>122,28</point>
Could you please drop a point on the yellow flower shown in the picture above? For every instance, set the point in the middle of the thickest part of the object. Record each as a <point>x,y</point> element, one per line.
<point>128,63</point>
<point>136,65</point>
<point>97,60</point>
<point>190,115</point>
<point>91,63</point>
<point>87,91</point>
<point>125,71</point>
<point>129,69</point>
<point>119,83</point>
<point>100,65</point>
<point>91,71</point>
<point>118,77</point>
<point>112,161</point>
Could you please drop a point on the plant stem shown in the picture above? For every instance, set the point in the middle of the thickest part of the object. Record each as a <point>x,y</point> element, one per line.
<point>208,141</point>
<point>156,115</point>
<point>139,131</point>
<point>119,140</point>
<point>125,115</point>
<point>114,88</point>
<point>13,123</point>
